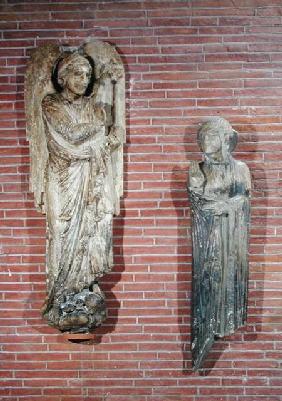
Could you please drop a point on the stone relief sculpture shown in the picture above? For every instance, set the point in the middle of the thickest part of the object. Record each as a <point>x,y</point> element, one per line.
<point>219,189</point>
<point>76,128</point>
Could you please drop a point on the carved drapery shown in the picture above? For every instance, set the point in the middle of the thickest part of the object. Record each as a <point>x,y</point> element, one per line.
<point>219,189</point>
<point>76,128</point>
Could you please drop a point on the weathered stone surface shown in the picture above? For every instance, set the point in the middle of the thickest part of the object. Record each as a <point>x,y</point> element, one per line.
<point>76,128</point>
<point>219,189</point>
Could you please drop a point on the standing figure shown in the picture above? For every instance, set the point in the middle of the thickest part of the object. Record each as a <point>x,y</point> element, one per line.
<point>219,189</point>
<point>76,130</point>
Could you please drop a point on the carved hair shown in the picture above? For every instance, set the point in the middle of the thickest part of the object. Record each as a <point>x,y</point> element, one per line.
<point>66,64</point>
<point>223,128</point>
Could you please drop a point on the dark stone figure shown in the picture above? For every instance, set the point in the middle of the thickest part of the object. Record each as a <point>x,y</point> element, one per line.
<point>219,189</point>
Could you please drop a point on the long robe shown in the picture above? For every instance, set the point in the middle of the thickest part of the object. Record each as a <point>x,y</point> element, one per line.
<point>80,199</point>
<point>220,254</point>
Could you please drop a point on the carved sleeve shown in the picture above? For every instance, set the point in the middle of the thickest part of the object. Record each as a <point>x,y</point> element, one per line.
<point>196,178</point>
<point>62,123</point>
<point>245,176</point>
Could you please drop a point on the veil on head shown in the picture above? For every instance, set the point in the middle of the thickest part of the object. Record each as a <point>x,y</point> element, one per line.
<point>225,130</point>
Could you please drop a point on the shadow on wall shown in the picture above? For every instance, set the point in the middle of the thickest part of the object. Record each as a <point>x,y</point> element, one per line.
<point>259,230</point>
<point>110,280</point>
<point>217,356</point>
<point>184,275</point>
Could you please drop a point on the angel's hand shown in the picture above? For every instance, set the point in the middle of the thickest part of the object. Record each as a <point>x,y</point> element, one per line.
<point>111,70</point>
<point>95,129</point>
<point>114,136</point>
<point>196,177</point>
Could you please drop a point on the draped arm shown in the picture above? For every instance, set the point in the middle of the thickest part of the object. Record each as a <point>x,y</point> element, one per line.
<point>62,123</point>
<point>244,177</point>
<point>242,188</point>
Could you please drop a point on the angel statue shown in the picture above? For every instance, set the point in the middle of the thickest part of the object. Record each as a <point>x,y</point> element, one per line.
<point>219,189</point>
<point>76,129</point>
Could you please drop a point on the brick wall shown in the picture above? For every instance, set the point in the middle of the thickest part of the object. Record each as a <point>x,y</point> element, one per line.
<point>185,61</point>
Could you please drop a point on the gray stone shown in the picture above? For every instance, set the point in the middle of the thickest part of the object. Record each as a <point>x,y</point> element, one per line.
<point>219,189</point>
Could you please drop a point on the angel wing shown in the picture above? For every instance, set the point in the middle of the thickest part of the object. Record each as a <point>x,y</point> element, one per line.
<point>37,85</point>
<point>109,71</point>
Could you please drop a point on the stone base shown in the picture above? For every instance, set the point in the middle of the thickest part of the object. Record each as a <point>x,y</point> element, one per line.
<point>78,312</point>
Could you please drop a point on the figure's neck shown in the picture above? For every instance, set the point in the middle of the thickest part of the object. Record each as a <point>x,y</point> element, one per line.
<point>70,96</point>
<point>218,159</point>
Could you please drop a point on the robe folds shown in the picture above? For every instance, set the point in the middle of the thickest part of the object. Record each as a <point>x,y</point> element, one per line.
<point>220,225</point>
<point>80,199</point>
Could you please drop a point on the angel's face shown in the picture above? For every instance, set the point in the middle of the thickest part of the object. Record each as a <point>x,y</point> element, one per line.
<point>77,79</point>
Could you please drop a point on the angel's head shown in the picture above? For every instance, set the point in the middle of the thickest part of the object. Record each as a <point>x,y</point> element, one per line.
<point>217,139</point>
<point>74,73</point>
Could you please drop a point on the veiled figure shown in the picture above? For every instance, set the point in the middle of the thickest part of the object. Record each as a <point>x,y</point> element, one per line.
<point>83,131</point>
<point>219,189</point>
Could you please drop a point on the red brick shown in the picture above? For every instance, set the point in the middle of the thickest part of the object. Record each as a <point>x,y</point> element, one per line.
<point>67,391</point>
<point>191,62</point>
<point>187,40</point>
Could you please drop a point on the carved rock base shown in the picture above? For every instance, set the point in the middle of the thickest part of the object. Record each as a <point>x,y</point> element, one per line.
<point>78,312</point>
